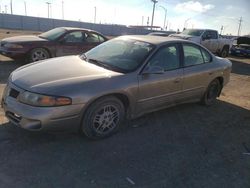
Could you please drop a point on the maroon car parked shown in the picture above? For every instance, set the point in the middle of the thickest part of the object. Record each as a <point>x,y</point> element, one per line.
<point>56,42</point>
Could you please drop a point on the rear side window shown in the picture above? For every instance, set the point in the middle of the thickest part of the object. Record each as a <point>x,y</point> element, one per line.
<point>206,56</point>
<point>192,55</point>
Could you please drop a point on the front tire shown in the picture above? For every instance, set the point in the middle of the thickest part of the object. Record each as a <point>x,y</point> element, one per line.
<point>103,118</point>
<point>38,54</point>
<point>211,93</point>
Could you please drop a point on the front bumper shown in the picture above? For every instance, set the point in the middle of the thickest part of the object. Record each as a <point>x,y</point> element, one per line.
<point>41,118</point>
<point>12,53</point>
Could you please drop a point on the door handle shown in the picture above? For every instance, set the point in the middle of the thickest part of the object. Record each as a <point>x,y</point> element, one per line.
<point>177,80</point>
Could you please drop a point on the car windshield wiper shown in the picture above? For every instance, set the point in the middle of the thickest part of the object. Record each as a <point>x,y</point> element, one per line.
<point>84,57</point>
<point>102,64</point>
<point>42,37</point>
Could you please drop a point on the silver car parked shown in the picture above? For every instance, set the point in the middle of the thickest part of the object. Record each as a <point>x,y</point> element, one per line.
<point>123,78</point>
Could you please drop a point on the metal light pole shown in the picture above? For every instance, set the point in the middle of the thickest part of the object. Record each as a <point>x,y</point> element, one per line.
<point>11,11</point>
<point>62,10</point>
<point>25,9</point>
<point>152,21</point>
<point>48,3</point>
<point>95,15</point>
<point>164,26</point>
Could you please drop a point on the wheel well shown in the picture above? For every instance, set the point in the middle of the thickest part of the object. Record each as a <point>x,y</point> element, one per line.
<point>221,80</point>
<point>225,47</point>
<point>50,55</point>
<point>123,98</point>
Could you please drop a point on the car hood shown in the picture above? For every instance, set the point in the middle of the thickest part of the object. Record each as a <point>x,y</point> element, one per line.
<point>24,38</point>
<point>54,74</point>
<point>182,36</point>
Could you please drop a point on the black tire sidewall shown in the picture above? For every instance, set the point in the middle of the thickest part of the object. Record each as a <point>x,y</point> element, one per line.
<point>205,100</point>
<point>86,125</point>
<point>36,49</point>
<point>224,50</point>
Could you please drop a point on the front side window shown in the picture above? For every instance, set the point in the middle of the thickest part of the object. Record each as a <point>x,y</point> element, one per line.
<point>192,55</point>
<point>210,35</point>
<point>166,57</point>
<point>74,37</point>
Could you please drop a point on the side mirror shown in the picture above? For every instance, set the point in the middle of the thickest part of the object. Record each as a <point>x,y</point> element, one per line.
<point>153,70</point>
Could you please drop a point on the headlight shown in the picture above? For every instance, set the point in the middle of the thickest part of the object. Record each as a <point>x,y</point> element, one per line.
<point>11,45</point>
<point>34,99</point>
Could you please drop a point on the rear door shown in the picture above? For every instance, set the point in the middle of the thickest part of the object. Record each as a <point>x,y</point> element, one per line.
<point>92,39</point>
<point>198,71</point>
<point>157,90</point>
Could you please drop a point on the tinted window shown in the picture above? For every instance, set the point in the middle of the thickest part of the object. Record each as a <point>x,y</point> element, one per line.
<point>206,56</point>
<point>74,37</point>
<point>166,57</point>
<point>92,38</point>
<point>53,34</point>
<point>192,55</point>
<point>210,35</point>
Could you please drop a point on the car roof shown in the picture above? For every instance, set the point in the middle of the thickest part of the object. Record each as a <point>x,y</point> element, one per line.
<point>77,28</point>
<point>156,40</point>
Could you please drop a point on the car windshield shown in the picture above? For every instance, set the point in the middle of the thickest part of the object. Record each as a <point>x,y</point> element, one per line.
<point>53,34</point>
<point>193,32</point>
<point>122,55</point>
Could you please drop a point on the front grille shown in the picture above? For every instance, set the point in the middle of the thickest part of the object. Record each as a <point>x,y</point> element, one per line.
<point>14,93</point>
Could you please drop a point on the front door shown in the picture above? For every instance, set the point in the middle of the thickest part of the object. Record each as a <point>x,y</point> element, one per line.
<point>159,90</point>
<point>71,44</point>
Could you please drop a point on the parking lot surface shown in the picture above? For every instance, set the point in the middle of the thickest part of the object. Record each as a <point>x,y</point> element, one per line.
<point>184,146</point>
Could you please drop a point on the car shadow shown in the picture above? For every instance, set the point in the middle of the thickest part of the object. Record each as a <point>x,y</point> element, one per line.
<point>239,67</point>
<point>185,146</point>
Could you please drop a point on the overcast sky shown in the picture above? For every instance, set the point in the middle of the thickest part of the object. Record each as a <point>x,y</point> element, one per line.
<point>196,14</point>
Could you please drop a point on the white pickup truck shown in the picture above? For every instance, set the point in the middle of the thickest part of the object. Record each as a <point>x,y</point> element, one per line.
<point>208,38</point>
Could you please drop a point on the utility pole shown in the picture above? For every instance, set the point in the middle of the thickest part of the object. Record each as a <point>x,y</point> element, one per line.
<point>152,21</point>
<point>142,20</point>
<point>239,29</point>
<point>11,11</point>
<point>63,10</point>
<point>25,8</point>
<point>48,3</point>
<point>95,15</point>
<point>148,21</point>
<point>221,29</point>
<point>5,6</point>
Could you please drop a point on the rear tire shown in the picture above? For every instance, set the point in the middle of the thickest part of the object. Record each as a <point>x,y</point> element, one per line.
<point>212,92</point>
<point>224,52</point>
<point>103,118</point>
